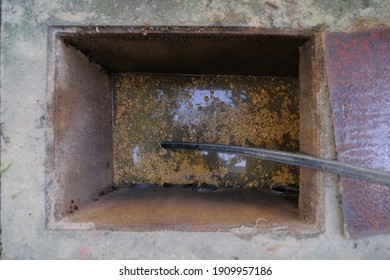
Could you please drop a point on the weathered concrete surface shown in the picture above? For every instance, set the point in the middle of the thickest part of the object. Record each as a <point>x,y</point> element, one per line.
<point>23,111</point>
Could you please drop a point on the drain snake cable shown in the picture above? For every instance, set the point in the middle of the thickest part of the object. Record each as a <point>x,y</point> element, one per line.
<point>297,159</point>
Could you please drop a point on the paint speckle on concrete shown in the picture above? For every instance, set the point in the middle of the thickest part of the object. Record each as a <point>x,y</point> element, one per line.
<point>11,13</point>
<point>73,17</point>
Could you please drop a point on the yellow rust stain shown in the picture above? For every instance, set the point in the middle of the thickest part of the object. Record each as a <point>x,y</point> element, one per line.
<point>236,110</point>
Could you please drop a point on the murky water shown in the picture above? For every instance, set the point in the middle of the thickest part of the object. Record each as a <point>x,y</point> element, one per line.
<point>237,110</point>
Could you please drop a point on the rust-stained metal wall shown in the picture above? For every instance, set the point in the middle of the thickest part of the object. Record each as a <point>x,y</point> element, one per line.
<point>81,161</point>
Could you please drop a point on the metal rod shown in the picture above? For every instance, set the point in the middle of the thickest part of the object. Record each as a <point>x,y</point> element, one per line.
<point>332,166</point>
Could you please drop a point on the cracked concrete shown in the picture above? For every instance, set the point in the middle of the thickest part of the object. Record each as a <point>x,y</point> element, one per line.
<point>24,30</point>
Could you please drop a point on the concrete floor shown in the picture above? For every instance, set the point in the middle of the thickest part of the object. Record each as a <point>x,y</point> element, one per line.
<point>24,30</point>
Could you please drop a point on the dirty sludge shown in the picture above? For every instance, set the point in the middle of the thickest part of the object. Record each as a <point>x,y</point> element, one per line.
<point>237,110</point>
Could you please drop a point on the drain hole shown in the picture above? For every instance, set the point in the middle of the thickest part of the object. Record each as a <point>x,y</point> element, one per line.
<point>204,188</point>
<point>285,190</point>
<point>143,186</point>
<point>178,186</point>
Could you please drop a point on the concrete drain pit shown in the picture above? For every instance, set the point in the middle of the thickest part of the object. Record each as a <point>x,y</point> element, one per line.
<point>115,93</point>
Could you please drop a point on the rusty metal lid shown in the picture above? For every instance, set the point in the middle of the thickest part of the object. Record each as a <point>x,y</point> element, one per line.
<point>358,72</point>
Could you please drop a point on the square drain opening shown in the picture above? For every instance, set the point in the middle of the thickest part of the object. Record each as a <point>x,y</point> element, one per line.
<point>116,93</point>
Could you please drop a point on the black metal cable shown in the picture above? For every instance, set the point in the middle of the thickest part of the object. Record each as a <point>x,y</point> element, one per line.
<point>332,166</point>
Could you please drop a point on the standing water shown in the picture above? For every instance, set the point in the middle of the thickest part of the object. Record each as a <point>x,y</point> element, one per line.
<point>237,110</point>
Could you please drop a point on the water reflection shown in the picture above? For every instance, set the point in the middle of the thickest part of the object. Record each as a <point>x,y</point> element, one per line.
<point>159,94</point>
<point>227,157</point>
<point>205,97</point>
<point>137,154</point>
<point>231,161</point>
<point>241,163</point>
<point>197,104</point>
